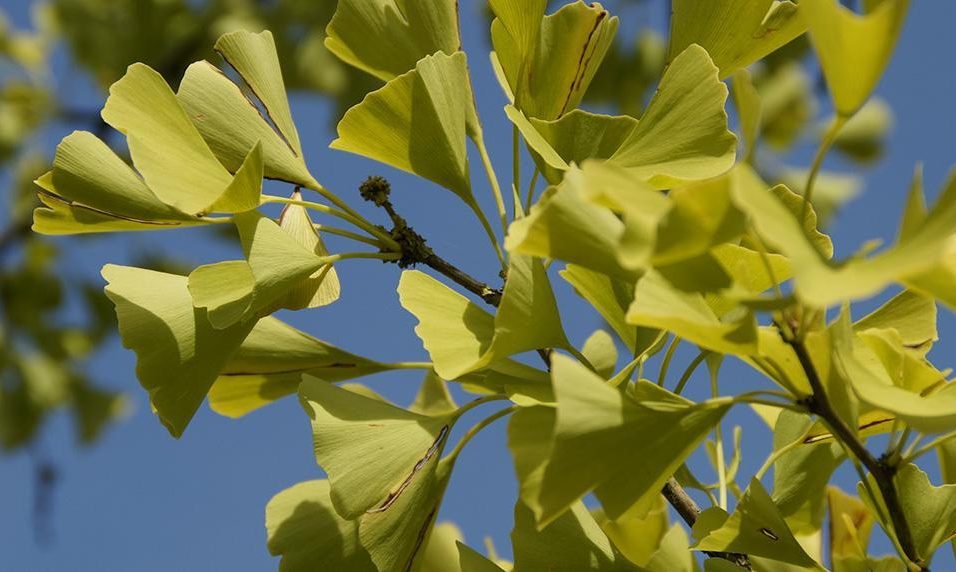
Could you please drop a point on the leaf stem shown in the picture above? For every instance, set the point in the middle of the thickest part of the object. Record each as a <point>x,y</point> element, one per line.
<point>912,455</point>
<point>354,216</point>
<point>829,137</point>
<point>354,219</point>
<point>777,454</point>
<point>516,158</point>
<point>666,362</point>
<point>478,427</point>
<point>529,197</point>
<point>691,368</point>
<point>478,402</point>
<point>347,234</point>
<point>493,181</point>
<point>491,235</point>
<point>411,365</point>
<point>719,442</point>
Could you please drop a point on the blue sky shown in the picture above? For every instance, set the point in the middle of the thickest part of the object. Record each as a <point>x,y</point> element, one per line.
<point>141,501</point>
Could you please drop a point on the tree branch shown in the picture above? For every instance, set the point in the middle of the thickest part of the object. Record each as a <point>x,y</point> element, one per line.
<point>882,471</point>
<point>376,190</point>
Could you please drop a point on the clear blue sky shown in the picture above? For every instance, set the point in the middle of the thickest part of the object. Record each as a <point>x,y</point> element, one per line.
<point>141,501</point>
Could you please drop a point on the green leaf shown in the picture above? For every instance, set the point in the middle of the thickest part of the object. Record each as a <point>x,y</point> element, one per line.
<point>270,363</point>
<point>371,450</point>
<point>929,510</point>
<point>683,135</point>
<point>254,57</point>
<point>611,297</point>
<point>166,147</point>
<point>305,531</point>
<point>441,549</point>
<point>747,101</point>
<point>621,449</point>
<point>549,61</point>
<point>850,525</point>
<point>821,283</point>
<point>862,138</point>
<point>471,561</point>
<point>573,542</point>
<point>386,38</point>
<point>674,553</point>
<point>88,174</point>
<point>566,226</point>
<point>418,123</point>
<point>462,338</point>
<point>736,34</point>
<point>853,49</point>
<point>800,477</point>
<point>912,315</point>
<point>231,124</point>
<point>236,290</point>
<point>433,398</point>
<point>637,537</point>
<point>322,288</point>
<point>600,351</point>
<point>179,353</point>
<point>755,527</point>
<point>657,304</point>
<point>574,137</point>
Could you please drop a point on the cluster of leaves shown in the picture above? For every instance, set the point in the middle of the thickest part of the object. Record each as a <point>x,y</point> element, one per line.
<point>42,361</point>
<point>659,224</point>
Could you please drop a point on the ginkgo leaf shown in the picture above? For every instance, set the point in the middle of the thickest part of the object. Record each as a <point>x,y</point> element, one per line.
<point>166,147</point>
<point>821,283</point>
<point>850,525</point>
<point>912,315</point>
<point>853,49</point>
<point>755,527</point>
<point>433,398</point>
<point>674,554</point>
<point>683,134</point>
<point>254,57</point>
<point>573,542</point>
<point>231,124</point>
<point>747,100</point>
<point>595,424</point>
<point>371,450</point>
<point>609,296</point>
<point>574,137</point>
<point>659,305</point>
<point>462,338</point>
<point>600,351</point>
<point>637,537</point>
<point>87,172</point>
<point>862,138</point>
<point>386,38</point>
<point>800,477</point>
<point>418,123</point>
<point>271,362</point>
<point>306,532</point>
<point>736,34</point>
<point>566,226</point>
<point>441,549</point>
<point>179,353</point>
<point>929,510</point>
<point>549,61</point>
<point>322,288</point>
<point>471,561</point>
<point>56,216</point>
<point>275,264</point>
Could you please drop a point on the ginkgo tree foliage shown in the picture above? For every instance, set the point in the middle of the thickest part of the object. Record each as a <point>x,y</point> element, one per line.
<point>665,223</point>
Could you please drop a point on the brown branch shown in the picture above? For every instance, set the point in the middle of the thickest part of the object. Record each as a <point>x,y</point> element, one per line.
<point>882,471</point>
<point>376,190</point>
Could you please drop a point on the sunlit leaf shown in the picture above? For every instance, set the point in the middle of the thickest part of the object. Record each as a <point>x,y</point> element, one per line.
<point>441,549</point>
<point>609,296</point>
<point>600,351</point>
<point>371,450</point>
<point>322,288</point>
<point>387,37</point>
<point>433,398</point>
<point>471,561</point>
<point>912,315</point>
<point>417,123</point>
<point>755,527</point>
<point>638,537</point>
<point>850,525</point>
<point>166,147</point>
<point>747,101</point>
<point>304,529</point>
<point>736,34</point>
<point>683,134</point>
<point>657,304</point>
<point>864,135</point>
<point>179,353</point>
<point>596,424</point>
<point>461,338</point>
<point>549,61</point>
<point>270,363</point>
<point>853,49</point>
